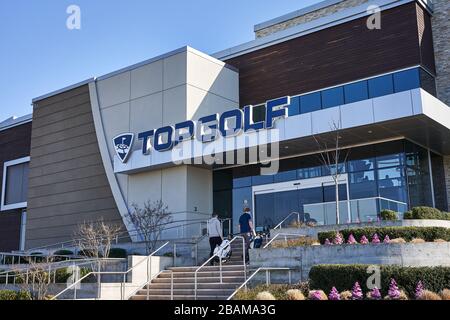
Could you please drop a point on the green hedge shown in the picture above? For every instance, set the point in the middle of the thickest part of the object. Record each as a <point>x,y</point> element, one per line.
<point>117,253</point>
<point>343,277</point>
<point>388,215</point>
<point>407,233</point>
<point>426,213</point>
<point>14,295</point>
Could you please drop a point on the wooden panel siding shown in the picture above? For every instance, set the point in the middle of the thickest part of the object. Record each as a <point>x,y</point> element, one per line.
<point>332,56</point>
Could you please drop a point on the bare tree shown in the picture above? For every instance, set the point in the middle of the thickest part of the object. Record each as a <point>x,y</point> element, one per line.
<point>150,220</point>
<point>37,279</point>
<point>333,158</point>
<point>96,238</point>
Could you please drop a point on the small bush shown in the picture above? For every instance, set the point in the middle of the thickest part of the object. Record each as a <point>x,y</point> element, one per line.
<point>317,295</point>
<point>397,240</point>
<point>445,294</point>
<point>299,242</point>
<point>277,290</point>
<point>265,295</point>
<point>63,252</point>
<point>346,295</point>
<point>417,240</point>
<point>294,294</point>
<point>429,234</point>
<point>439,240</point>
<point>117,253</point>
<point>388,215</point>
<point>429,295</point>
<point>343,277</point>
<point>14,295</point>
<point>426,213</point>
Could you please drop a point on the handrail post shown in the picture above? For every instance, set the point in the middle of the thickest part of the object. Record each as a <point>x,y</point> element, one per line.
<point>220,269</point>
<point>171,284</point>
<point>244,258</point>
<point>174,254</point>
<point>195,285</point>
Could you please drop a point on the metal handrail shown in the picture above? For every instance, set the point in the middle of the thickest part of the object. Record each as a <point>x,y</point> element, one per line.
<point>285,239</point>
<point>220,263</point>
<point>287,217</point>
<point>267,269</point>
<point>73,242</point>
<point>124,273</point>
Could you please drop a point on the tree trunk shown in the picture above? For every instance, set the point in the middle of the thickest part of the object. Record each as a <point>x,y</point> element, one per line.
<point>337,199</point>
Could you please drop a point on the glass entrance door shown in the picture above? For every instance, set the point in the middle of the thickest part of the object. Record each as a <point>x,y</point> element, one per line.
<point>274,202</point>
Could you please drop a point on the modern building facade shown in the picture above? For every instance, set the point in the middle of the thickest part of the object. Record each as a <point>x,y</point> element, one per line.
<point>174,127</point>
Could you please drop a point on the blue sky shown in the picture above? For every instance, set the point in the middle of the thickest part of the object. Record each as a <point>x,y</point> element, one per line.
<point>38,54</point>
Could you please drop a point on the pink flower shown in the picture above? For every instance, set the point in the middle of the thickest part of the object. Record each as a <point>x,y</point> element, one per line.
<point>375,294</point>
<point>357,292</point>
<point>363,240</point>
<point>327,242</point>
<point>419,290</point>
<point>334,294</point>
<point>351,239</point>
<point>393,292</point>
<point>338,239</point>
<point>386,239</point>
<point>375,239</point>
<point>316,295</point>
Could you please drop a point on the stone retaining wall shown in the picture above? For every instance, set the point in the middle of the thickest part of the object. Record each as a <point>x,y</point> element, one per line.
<point>303,258</point>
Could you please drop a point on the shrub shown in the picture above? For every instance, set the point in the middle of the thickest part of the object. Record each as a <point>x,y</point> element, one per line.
<point>426,213</point>
<point>398,240</point>
<point>317,295</point>
<point>265,295</point>
<point>408,233</point>
<point>429,295</point>
<point>279,291</point>
<point>334,294</point>
<point>294,294</point>
<point>445,294</point>
<point>374,294</point>
<point>343,277</point>
<point>63,252</point>
<point>388,215</point>
<point>14,295</point>
<point>357,293</point>
<point>346,295</point>
<point>439,240</point>
<point>299,242</point>
<point>417,240</point>
<point>117,253</point>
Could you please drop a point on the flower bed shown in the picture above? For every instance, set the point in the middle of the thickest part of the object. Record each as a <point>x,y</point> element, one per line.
<point>428,234</point>
<point>343,277</point>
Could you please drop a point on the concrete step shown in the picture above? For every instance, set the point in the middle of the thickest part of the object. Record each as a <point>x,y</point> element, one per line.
<point>188,292</point>
<point>178,297</point>
<point>225,279</point>
<point>202,274</point>
<point>191,285</point>
<point>225,267</point>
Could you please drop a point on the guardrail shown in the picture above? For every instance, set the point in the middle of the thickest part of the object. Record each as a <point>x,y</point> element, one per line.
<point>75,285</point>
<point>220,263</point>
<point>268,271</point>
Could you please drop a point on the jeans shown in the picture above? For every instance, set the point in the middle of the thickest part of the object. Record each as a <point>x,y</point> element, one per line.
<point>247,237</point>
<point>213,243</point>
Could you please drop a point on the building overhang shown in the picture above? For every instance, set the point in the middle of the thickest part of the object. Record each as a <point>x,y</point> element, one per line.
<point>415,115</point>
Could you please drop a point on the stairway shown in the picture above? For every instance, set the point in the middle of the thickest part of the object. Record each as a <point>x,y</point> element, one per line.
<point>209,286</point>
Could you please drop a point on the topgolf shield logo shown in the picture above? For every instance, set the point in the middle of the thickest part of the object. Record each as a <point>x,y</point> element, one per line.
<point>122,145</point>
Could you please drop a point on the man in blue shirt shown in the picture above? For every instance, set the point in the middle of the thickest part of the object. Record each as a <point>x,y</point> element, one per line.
<point>246,229</point>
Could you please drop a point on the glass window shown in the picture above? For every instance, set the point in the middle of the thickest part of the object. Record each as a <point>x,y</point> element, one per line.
<point>356,92</point>
<point>259,113</point>
<point>381,86</point>
<point>406,80</point>
<point>361,164</point>
<point>390,160</point>
<point>392,184</point>
<point>362,185</point>
<point>329,193</point>
<point>310,102</point>
<point>332,97</point>
<point>330,170</point>
<point>239,196</point>
<point>222,180</point>
<point>285,176</point>
<point>294,107</point>
<point>262,179</point>
<point>306,173</point>
<point>16,185</point>
<point>427,82</point>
